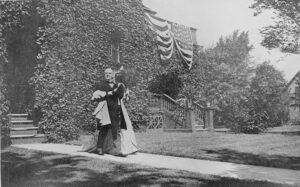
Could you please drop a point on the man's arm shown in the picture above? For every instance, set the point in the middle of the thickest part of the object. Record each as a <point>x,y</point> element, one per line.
<point>117,92</point>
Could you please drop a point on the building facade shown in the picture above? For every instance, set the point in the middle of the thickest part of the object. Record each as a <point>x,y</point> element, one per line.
<point>291,93</point>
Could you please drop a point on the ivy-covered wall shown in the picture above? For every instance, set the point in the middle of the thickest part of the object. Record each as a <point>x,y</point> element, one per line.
<point>76,48</point>
<point>74,41</point>
<point>11,14</point>
<point>4,105</point>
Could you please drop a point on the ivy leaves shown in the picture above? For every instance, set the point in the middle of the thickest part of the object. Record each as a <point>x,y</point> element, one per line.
<point>76,48</point>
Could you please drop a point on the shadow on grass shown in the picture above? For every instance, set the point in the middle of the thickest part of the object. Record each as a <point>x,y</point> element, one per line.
<point>27,168</point>
<point>276,161</point>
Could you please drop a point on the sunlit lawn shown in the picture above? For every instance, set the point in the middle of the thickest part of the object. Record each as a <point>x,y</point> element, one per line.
<point>272,150</point>
<point>286,128</point>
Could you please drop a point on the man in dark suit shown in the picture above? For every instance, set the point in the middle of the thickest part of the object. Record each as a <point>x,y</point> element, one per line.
<point>108,141</point>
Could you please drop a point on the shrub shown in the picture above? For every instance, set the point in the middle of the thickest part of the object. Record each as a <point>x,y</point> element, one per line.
<point>255,123</point>
<point>168,83</point>
<point>294,122</point>
<point>138,111</point>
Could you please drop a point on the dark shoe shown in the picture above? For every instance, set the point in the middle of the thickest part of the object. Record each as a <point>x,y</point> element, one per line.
<point>93,150</point>
<point>121,155</point>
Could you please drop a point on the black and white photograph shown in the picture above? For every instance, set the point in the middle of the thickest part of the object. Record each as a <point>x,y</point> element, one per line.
<point>100,93</point>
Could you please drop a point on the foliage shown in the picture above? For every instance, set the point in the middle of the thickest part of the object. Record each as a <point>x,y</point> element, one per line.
<point>294,122</point>
<point>9,18</point>
<point>20,25</point>
<point>4,108</point>
<point>249,98</point>
<point>228,76</point>
<point>285,33</point>
<point>168,83</point>
<point>265,92</point>
<point>137,107</point>
<point>75,47</point>
<point>262,106</point>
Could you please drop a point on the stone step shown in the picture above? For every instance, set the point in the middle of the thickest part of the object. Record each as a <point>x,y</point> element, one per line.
<point>18,118</point>
<point>23,128</point>
<point>23,131</point>
<point>27,132</point>
<point>21,125</point>
<point>27,136</point>
<point>22,122</point>
<point>199,126</point>
<point>26,139</point>
<point>222,130</point>
<point>198,130</point>
<point>18,115</point>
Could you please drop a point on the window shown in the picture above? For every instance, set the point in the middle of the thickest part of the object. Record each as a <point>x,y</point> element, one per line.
<point>115,46</point>
<point>115,52</point>
<point>297,92</point>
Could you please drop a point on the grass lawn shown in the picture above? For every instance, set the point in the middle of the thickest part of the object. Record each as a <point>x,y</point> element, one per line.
<point>27,168</point>
<point>272,150</point>
<point>286,129</point>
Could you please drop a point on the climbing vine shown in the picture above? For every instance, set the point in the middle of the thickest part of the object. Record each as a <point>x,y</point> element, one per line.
<point>74,47</point>
<point>10,14</point>
<point>75,50</point>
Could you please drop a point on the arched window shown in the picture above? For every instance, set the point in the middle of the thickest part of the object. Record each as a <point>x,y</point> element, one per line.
<point>115,51</point>
<point>115,46</point>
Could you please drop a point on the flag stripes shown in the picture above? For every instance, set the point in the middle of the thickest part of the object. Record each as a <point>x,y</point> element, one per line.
<point>170,35</point>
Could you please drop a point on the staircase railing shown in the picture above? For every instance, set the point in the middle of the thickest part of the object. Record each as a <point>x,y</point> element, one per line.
<point>182,116</point>
<point>165,103</point>
<point>179,113</point>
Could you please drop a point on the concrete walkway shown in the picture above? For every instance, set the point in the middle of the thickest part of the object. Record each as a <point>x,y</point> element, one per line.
<point>223,169</point>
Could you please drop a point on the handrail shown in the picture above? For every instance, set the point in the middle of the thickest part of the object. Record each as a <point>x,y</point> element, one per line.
<point>170,98</point>
<point>197,104</point>
<point>181,115</point>
<point>174,101</point>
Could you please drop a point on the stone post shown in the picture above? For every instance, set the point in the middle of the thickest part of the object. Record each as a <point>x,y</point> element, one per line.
<point>191,121</point>
<point>210,119</point>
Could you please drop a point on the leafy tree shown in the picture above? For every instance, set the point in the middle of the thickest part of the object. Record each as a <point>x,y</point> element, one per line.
<point>169,83</point>
<point>265,100</point>
<point>249,99</point>
<point>285,33</point>
<point>229,76</point>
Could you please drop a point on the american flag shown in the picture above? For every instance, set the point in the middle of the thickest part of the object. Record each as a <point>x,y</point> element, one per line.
<point>171,34</point>
<point>183,35</point>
